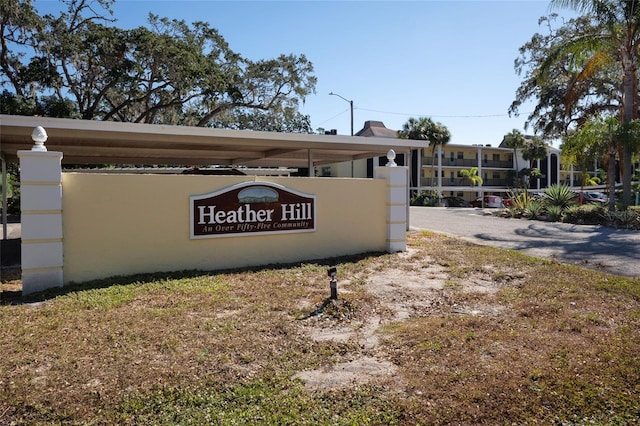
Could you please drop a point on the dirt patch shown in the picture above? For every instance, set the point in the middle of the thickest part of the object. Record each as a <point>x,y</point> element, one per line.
<point>346,374</point>
<point>415,287</point>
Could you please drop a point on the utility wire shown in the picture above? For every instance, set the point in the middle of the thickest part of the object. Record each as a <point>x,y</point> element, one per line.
<point>406,114</point>
<point>331,118</point>
<point>437,116</point>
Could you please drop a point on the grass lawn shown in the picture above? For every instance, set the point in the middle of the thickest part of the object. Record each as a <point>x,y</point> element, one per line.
<point>445,333</point>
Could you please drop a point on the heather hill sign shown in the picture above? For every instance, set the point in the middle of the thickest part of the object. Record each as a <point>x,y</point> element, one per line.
<point>252,208</point>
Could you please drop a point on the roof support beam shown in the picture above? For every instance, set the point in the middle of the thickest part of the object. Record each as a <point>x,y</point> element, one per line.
<point>259,156</point>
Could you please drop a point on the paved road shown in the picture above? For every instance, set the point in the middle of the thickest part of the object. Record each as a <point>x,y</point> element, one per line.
<point>613,250</point>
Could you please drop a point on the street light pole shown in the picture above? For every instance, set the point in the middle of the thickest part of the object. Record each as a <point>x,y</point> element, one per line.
<point>350,106</point>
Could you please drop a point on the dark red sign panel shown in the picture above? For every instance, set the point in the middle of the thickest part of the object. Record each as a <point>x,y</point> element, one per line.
<point>252,208</point>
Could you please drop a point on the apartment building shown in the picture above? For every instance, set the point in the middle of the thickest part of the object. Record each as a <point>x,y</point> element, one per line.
<point>440,169</point>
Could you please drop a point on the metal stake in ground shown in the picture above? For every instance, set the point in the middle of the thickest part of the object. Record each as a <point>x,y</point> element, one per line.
<point>333,284</point>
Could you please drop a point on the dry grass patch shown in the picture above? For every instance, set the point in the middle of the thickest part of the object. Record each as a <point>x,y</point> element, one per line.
<point>447,332</point>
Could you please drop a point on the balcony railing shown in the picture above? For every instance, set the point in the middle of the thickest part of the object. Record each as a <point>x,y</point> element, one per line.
<point>495,182</point>
<point>465,162</point>
<point>429,181</point>
<point>498,164</point>
<point>433,182</point>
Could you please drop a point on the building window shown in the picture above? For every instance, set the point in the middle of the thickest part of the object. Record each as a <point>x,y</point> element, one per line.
<point>496,157</point>
<point>496,176</point>
<point>460,155</point>
<point>451,157</point>
<point>451,178</point>
<point>486,158</point>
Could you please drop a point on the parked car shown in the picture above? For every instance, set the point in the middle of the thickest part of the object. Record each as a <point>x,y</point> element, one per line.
<point>594,198</point>
<point>455,202</point>
<point>490,201</point>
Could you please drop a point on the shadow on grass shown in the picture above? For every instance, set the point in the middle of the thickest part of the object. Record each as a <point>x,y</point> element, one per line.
<point>15,297</point>
<point>319,310</point>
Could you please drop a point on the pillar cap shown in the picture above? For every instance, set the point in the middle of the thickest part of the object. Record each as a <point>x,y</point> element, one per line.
<point>39,137</point>
<point>391,156</point>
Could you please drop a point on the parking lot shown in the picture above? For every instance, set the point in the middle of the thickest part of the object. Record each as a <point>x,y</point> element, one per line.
<point>609,249</point>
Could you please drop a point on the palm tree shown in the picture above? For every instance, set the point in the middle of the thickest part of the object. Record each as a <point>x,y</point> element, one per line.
<point>602,135</point>
<point>589,142</point>
<point>514,140</point>
<point>616,41</point>
<point>424,128</point>
<point>472,176</point>
<point>534,149</point>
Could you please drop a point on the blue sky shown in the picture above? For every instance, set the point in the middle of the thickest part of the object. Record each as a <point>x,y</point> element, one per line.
<point>448,60</point>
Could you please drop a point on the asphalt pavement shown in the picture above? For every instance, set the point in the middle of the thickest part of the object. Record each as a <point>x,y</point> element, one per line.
<point>616,251</point>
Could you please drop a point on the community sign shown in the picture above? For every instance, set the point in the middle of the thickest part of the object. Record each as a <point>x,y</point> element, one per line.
<point>252,208</point>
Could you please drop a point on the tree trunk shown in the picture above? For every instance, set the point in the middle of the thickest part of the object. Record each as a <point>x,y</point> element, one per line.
<point>611,175</point>
<point>630,89</point>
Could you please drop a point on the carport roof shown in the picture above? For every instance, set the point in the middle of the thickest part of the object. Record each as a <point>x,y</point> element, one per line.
<point>106,142</point>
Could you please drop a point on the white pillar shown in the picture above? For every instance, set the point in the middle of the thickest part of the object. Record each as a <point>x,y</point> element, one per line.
<point>571,176</point>
<point>439,173</point>
<point>312,172</point>
<point>480,161</point>
<point>41,216</point>
<point>4,197</point>
<point>397,212</point>
<point>419,162</point>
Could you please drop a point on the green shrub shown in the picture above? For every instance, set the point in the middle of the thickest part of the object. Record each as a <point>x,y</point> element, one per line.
<point>424,198</point>
<point>629,219</point>
<point>13,189</point>
<point>586,214</point>
<point>511,211</point>
<point>558,195</point>
<point>554,212</point>
<point>520,200</point>
<point>534,210</point>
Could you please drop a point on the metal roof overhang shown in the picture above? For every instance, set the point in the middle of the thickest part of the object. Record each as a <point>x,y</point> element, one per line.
<point>107,142</point>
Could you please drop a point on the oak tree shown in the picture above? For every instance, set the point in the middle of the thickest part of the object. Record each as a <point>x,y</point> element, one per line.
<point>167,72</point>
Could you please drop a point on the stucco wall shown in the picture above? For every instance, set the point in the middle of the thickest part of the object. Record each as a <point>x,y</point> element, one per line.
<point>126,224</point>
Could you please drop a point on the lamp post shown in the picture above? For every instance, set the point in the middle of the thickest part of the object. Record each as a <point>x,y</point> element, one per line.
<point>350,106</point>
